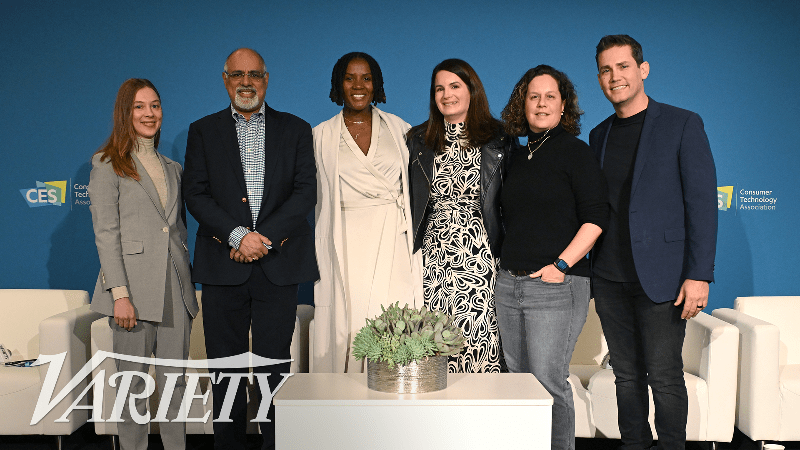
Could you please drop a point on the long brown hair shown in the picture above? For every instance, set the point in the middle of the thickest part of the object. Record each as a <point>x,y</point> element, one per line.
<point>117,149</point>
<point>480,126</point>
<point>516,123</point>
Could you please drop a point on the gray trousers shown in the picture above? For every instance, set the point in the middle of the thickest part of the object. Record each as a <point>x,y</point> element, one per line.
<point>166,339</point>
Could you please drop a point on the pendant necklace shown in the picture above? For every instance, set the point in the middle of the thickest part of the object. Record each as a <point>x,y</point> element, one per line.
<point>543,139</point>
<point>355,123</point>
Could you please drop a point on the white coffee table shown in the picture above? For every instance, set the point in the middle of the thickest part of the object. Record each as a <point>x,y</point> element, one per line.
<point>476,411</point>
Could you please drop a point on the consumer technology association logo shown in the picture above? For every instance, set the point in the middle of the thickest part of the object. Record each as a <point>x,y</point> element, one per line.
<point>49,193</point>
<point>746,199</point>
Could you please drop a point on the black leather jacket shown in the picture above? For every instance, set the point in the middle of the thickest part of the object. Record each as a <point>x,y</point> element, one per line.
<point>493,164</point>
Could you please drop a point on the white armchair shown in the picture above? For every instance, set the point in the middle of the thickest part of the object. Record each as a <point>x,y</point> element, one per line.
<point>102,340</point>
<point>768,397</point>
<point>48,322</point>
<point>709,357</point>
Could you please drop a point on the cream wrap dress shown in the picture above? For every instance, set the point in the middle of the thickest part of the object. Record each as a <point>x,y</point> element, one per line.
<point>363,236</point>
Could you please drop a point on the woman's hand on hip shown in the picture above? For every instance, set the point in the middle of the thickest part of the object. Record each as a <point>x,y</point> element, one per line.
<point>549,274</point>
<point>124,314</point>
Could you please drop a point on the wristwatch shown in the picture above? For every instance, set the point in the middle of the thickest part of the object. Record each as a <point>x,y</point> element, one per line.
<point>561,265</point>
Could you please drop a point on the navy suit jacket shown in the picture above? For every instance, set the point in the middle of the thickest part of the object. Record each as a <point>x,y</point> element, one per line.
<point>216,195</point>
<point>673,207</point>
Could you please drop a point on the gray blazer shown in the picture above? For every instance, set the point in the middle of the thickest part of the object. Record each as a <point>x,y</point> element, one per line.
<point>138,239</point>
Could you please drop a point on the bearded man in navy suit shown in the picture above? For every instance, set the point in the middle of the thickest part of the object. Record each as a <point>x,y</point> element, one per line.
<point>652,267</point>
<point>250,181</point>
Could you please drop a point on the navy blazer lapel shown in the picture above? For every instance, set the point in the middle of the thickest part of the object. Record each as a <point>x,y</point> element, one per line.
<point>230,143</point>
<point>147,184</point>
<point>271,150</point>
<point>646,142</point>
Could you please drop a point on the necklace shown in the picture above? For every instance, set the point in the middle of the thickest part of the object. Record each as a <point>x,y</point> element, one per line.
<point>355,122</point>
<point>543,139</point>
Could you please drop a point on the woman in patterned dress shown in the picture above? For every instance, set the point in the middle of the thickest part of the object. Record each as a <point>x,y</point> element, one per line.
<point>455,173</point>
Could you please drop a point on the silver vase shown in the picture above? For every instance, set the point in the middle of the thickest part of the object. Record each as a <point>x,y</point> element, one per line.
<point>426,375</point>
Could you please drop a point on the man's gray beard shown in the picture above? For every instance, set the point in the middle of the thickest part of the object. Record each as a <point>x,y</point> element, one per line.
<point>246,104</point>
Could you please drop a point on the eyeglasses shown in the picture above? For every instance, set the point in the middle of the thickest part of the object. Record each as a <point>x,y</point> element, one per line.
<point>239,76</point>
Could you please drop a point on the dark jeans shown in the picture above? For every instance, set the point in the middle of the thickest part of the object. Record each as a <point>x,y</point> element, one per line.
<point>645,340</point>
<point>228,312</point>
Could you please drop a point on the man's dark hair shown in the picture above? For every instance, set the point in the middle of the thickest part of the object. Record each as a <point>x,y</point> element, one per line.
<point>339,70</point>
<point>619,40</point>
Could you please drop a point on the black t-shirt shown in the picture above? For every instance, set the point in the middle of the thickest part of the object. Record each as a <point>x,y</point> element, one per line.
<point>546,199</point>
<point>614,260</point>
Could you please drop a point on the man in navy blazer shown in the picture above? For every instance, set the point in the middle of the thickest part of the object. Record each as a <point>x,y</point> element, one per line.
<point>652,267</point>
<point>250,181</point>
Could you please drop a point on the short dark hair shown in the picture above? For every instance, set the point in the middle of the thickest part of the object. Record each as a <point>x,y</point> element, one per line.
<point>515,121</point>
<point>619,40</point>
<point>339,70</point>
<point>480,126</point>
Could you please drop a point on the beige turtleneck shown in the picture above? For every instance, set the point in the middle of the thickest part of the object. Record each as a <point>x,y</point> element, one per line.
<point>146,152</point>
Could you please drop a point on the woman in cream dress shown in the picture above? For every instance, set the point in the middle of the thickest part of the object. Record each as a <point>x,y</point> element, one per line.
<point>363,217</point>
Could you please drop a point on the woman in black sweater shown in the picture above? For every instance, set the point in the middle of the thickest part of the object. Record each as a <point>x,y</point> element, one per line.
<point>555,205</point>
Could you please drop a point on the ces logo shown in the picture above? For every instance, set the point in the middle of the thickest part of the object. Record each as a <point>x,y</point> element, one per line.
<point>49,193</point>
<point>724,197</point>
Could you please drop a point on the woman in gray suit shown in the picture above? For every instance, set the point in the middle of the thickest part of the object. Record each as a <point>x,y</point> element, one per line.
<point>144,284</point>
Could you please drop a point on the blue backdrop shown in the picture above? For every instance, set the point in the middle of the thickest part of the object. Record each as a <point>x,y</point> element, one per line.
<point>735,64</point>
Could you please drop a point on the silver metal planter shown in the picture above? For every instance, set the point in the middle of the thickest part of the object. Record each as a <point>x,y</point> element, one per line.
<point>426,375</point>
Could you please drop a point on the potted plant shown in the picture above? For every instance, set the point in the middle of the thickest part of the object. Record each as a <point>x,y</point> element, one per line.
<point>407,349</point>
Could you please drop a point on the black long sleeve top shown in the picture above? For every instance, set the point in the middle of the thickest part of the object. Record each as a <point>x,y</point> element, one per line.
<point>546,199</point>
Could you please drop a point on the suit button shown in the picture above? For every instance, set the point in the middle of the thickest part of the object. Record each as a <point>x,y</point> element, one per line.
<point>165,230</point>
<point>244,199</point>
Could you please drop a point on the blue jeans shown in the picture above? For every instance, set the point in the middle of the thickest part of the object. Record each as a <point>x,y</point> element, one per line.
<point>539,325</point>
<point>645,340</point>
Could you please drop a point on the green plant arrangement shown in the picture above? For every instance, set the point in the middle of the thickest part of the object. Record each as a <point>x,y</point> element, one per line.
<point>399,336</point>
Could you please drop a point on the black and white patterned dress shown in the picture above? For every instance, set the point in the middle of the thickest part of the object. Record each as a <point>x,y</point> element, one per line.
<point>459,270</point>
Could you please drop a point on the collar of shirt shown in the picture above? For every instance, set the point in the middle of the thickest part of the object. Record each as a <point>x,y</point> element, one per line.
<point>259,116</point>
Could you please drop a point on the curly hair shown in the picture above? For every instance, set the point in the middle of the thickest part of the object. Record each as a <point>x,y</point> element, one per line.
<point>514,120</point>
<point>339,70</point>
<point>480,126</point>
<point>122,141</point>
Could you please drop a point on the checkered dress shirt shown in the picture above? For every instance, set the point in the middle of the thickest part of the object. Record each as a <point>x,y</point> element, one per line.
<point>251,150</point>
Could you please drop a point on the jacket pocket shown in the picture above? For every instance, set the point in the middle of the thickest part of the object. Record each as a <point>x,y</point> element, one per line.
<point>674,234</point>
<point>132,247</point>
